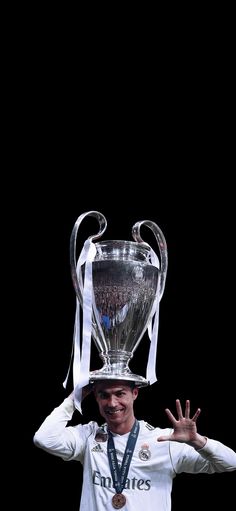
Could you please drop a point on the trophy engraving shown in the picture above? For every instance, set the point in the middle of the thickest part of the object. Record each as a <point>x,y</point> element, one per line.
<point>128,281</point>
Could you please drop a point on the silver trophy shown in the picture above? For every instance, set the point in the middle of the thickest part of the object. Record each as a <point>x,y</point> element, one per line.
<point>126,285</point>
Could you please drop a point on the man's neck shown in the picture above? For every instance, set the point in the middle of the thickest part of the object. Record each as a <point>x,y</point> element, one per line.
<point>123,428</point>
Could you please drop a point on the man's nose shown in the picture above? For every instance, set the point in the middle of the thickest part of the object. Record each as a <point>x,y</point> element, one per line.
<point>112,401</point>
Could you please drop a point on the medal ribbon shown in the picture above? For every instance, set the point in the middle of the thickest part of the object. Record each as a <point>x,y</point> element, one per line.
<point>119,474</point>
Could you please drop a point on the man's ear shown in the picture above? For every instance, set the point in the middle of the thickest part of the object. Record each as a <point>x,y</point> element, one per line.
<point>135,392</point>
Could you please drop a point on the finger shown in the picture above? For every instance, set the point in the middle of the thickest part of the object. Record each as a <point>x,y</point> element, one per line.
<point>179,409</point>
<point>170,415</point>
<point>187,409</point>
<point>196,415</point>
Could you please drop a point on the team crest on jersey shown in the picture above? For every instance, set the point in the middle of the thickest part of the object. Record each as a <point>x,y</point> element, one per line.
<point>144,453</point>
<point>97,448</point>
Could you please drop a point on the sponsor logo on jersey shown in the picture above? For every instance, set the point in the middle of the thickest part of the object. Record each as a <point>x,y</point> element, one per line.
<point>133,484</point>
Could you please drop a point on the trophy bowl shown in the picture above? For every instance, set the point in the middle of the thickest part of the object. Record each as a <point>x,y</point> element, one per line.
<point>125,286</point>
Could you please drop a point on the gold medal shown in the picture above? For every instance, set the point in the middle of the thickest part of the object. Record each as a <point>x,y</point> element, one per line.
<point>118,500</point>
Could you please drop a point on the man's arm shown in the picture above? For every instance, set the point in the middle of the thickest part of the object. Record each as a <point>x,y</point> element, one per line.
<point>54,436</point>
<point>208,455</point>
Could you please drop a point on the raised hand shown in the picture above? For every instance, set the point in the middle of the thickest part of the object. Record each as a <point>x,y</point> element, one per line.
<point>184,428</point>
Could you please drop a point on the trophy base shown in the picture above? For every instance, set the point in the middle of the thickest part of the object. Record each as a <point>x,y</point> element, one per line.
<point>116,368</point>
<point>106,374</point>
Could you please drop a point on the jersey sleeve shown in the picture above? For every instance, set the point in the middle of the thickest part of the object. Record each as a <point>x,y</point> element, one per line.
<point>213,457</point>
<point>55,437</point>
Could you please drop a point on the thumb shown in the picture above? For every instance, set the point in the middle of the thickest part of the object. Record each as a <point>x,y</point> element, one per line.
<point>163,438</point>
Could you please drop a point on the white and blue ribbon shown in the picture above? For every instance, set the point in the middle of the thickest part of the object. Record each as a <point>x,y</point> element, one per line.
<point>81,359</point>
<point>153,326</point>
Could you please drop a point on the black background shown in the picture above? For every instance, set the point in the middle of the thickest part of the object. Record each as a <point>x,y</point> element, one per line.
<point>140,135</point>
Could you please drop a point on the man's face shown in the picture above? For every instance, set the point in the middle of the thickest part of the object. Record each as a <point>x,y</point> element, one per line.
<point>115,400</point>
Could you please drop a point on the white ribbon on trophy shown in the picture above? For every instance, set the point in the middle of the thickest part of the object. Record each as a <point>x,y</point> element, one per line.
<point>81,359</point>
<point>153,326</point>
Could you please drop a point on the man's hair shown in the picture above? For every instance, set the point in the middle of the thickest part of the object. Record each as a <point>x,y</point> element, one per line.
<point>129,383</point>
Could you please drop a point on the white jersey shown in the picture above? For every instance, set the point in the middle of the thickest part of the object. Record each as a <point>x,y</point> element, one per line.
<point>153,466</point>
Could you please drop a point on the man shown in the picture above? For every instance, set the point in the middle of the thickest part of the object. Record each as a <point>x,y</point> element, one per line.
<point>128,464</point>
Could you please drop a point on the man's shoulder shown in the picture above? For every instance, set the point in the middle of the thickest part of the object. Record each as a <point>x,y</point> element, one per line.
<point>147,427</point>
<point>86,429</point>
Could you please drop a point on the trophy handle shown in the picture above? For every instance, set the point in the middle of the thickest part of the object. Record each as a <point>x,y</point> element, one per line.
<point>73,263</point>
<point>161,245</point>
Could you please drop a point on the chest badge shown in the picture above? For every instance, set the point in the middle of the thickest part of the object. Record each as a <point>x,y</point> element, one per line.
<point>144,453</point>
<point>101,435</point>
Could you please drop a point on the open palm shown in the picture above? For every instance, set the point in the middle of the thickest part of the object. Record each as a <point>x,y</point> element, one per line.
<point>184,427</point>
